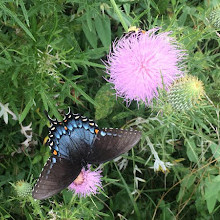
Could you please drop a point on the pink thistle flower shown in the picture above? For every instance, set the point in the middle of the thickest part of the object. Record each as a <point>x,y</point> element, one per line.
<point>142,62</point>
<point>86,183</point>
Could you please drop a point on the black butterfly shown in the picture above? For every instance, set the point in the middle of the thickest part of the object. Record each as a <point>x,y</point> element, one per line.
<point>76,142</point>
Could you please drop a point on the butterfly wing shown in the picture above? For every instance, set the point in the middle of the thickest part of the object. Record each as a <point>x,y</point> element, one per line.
<point>110,143</point>
<point>70,142</point>
<point>57,174</point>
<point>73,142</point>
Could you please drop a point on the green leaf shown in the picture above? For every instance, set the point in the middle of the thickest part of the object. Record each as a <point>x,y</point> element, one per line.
<point>136,208</point>
<point>105,100</point>
<point>119,15</point>
<point>37,159</point>
<point>103,214</point>
<point>191,150</point>
<point>46,156</point>
<point>166,211</point>
<point>24,12</point>
<point>26,110</point>
<point>89,20</point>
<point>215,151</point>
<point>186,184</point>
<point>211,204</point>
<point>67,196</point>
<point>15,77</point>
<point>183,16</point>
<point>163,5</point>
<point>127,8</point>
<point>103,28</point>
<point>53,108</point>
<point>5,63</point>
<point>209,192</point>
<point>188,181</point>
<point>173,2</point>
<point>90,35</point>
<point>122,115</point>
<point>47,101</point>
<point>212,190</point>
<point>181,194</point>
<point>17,20</point>
<point>44,99</point>
<point>77,88</point>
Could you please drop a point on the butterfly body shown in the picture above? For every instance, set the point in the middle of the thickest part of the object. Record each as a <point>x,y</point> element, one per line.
<point>75,142</point>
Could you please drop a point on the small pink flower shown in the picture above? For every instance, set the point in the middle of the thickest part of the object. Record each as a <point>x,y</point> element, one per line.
<point>142,62</point>
<point>86,183</point>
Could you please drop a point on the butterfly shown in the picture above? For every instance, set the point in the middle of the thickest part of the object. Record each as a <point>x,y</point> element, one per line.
<point>75,142</point>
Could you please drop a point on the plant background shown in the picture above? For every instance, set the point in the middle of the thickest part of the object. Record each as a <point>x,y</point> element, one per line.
<point>51,58</point>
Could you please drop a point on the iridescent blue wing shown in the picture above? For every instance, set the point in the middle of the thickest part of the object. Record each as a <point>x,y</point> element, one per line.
<point>57,174</point>
<point>110,143</point>
<point>72,139</point>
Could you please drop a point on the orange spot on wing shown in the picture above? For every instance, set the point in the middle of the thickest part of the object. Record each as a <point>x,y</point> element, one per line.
<point>65,128</point>
<point>96,131</point>
<point>65,120</point>
<point>55,152</point>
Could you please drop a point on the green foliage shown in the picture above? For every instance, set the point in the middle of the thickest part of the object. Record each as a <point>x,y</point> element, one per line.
<point>105,99</point>
<point>50,59</point>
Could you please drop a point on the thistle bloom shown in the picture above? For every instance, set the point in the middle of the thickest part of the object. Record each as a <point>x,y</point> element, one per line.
<point>86,183</point>
<point>142,62</point>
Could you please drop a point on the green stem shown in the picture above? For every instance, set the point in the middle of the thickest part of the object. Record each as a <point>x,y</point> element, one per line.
<point>118,12</point>
<point>37,208</point>
<point>130,195</point>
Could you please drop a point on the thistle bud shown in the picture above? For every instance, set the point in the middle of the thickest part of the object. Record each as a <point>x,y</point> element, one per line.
<point>185,93</point>
<point>214,17</point>
<point>23,189</point>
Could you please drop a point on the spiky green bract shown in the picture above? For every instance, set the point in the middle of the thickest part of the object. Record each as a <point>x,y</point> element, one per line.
<point>214,17</point>
<point>185,93</point>
<point>23,188</point>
